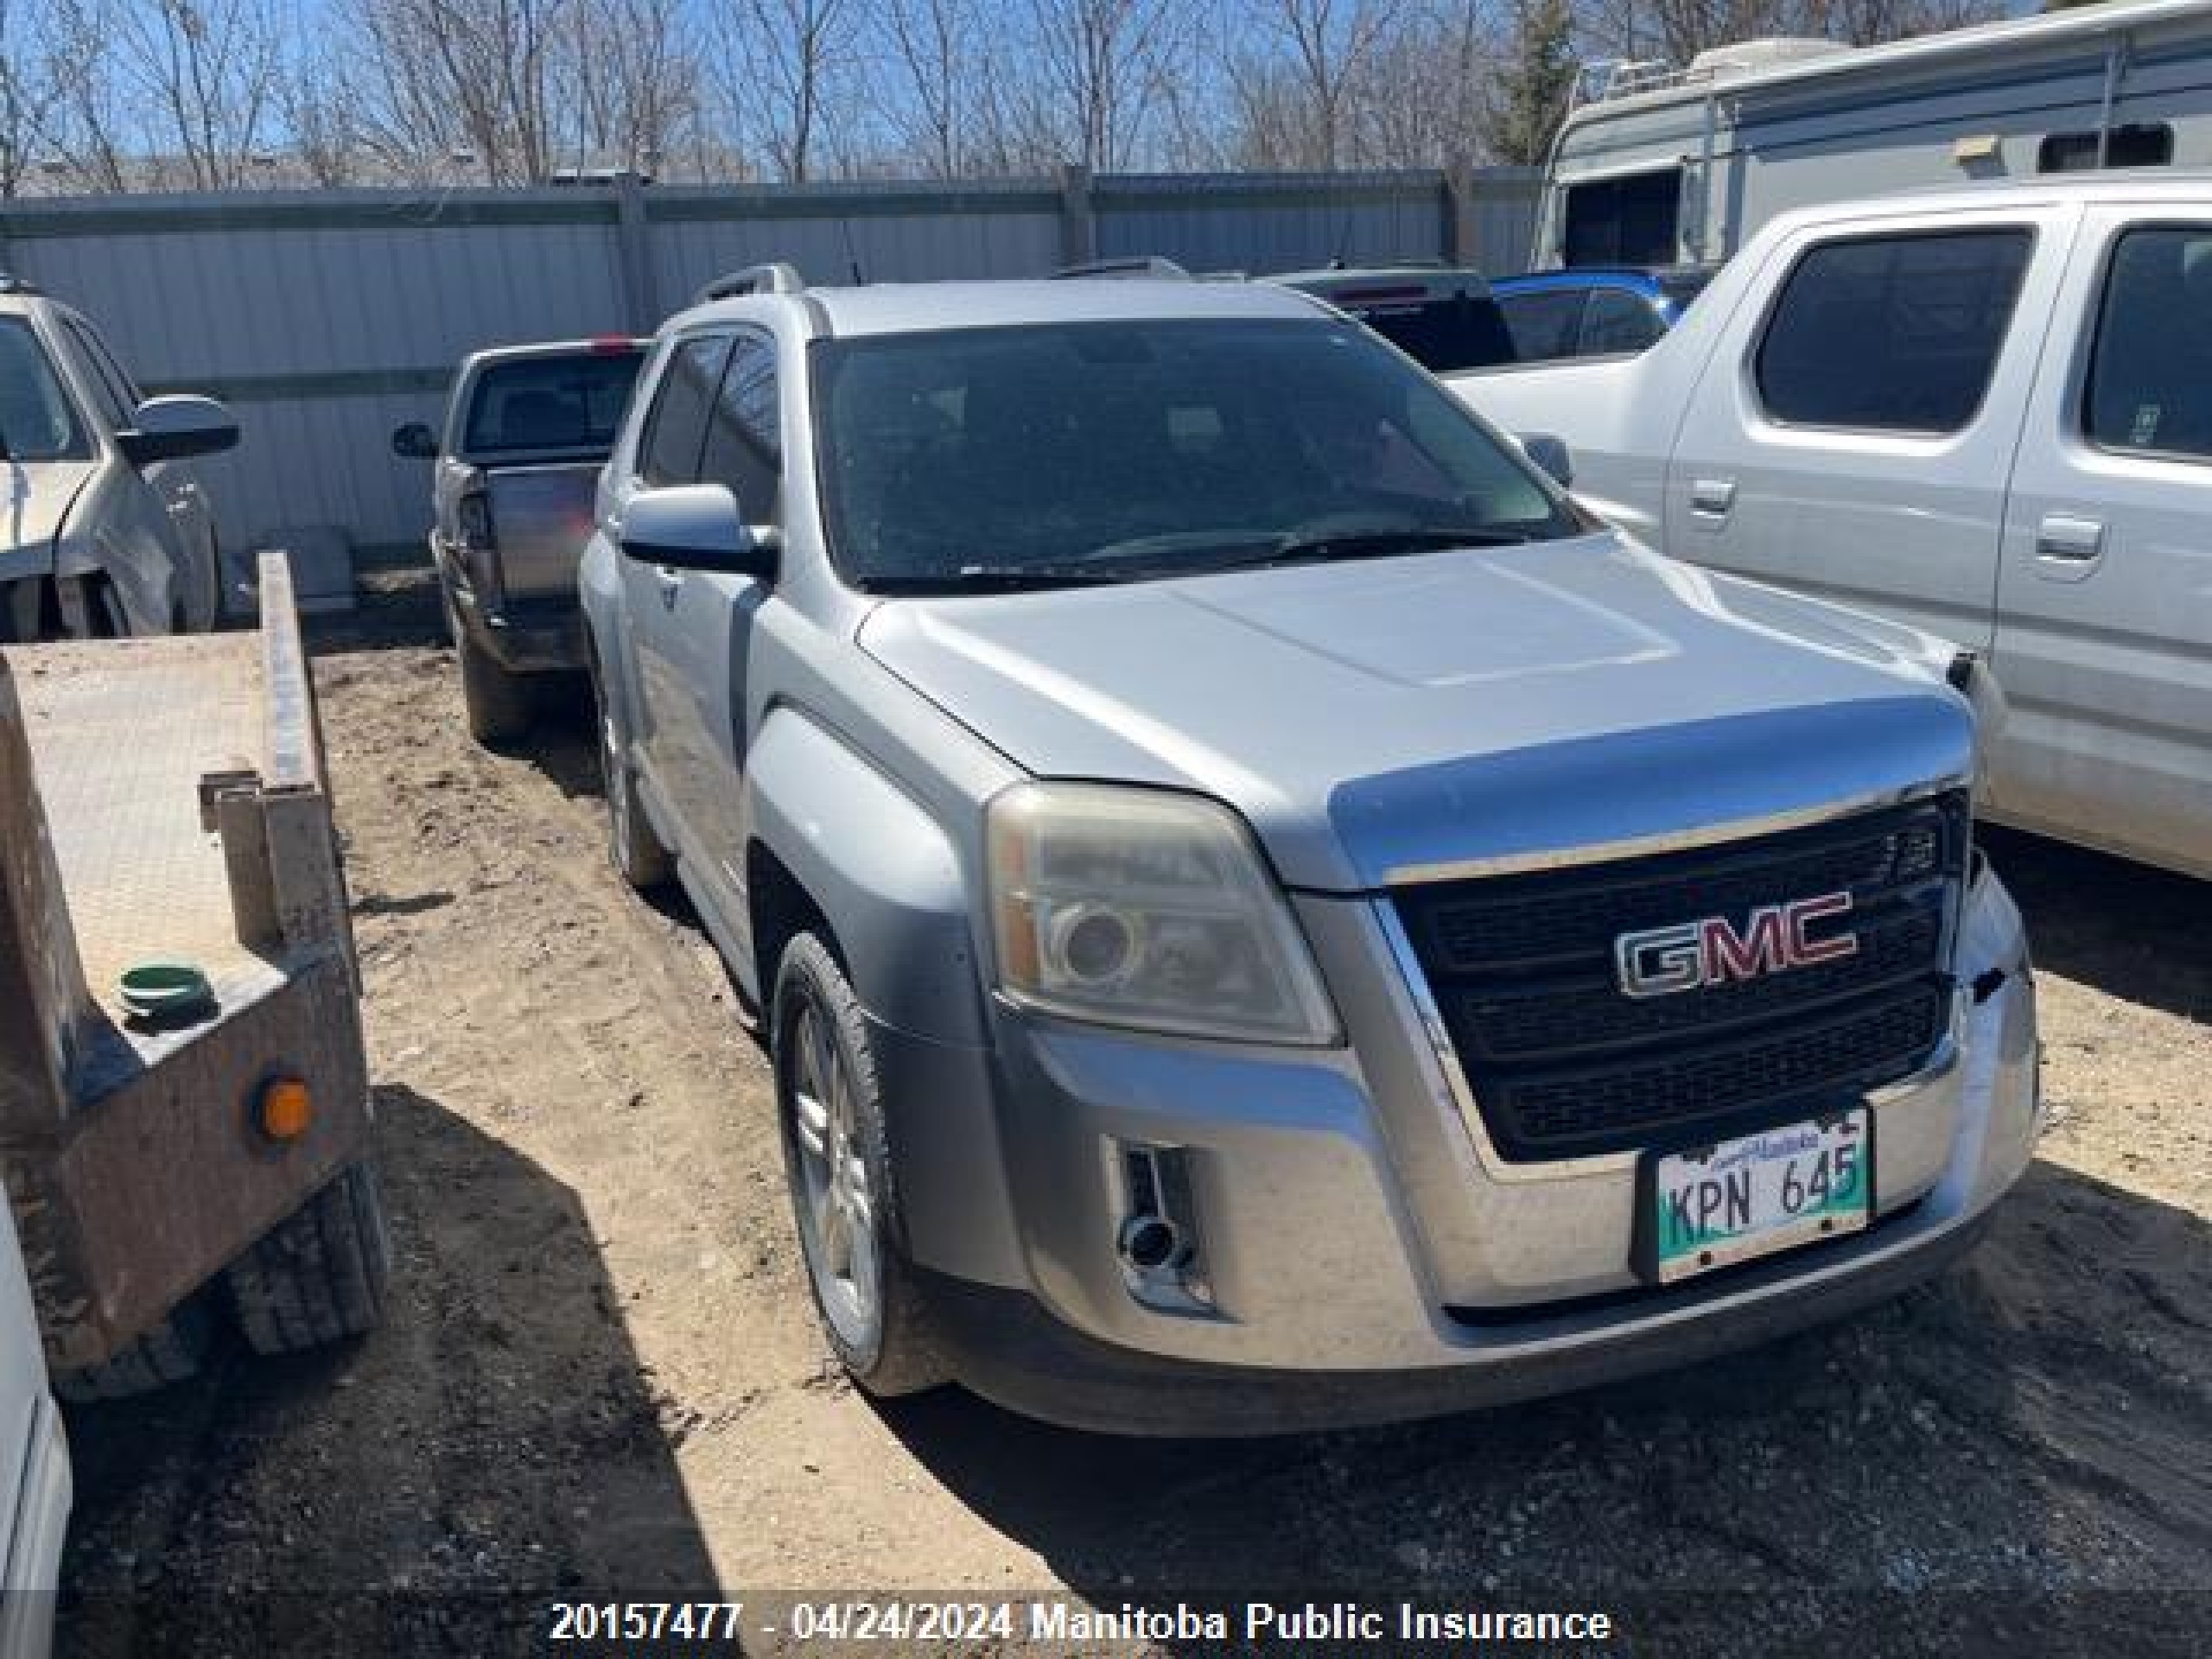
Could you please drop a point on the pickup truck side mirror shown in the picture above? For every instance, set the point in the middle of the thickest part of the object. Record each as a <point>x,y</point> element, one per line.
<point>698,527</point>
<point>1551,457</point>
<point>176,426</point>
<point>415,441</point>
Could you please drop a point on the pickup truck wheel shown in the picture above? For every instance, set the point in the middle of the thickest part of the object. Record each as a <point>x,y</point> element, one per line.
<point>170,1352</point>
<point>320,1274</point>
<point>495,701</point>
<point>838,1160</point>
<point>631,846</point>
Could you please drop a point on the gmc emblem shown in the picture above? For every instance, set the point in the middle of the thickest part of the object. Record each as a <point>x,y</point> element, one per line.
<point>1660,961</point>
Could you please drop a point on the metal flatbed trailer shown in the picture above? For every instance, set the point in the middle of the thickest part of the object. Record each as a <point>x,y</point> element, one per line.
<point>165,800</point>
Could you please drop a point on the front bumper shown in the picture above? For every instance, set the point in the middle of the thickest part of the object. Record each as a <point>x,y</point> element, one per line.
<point>1362,1242</point>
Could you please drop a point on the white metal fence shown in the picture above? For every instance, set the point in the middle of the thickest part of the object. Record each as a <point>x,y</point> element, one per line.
<point>327,318</point>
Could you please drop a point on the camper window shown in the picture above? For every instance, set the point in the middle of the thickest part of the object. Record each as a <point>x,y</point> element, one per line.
<point>1625,221</point>
<point>1892,333</point>
<point>2148,144</point>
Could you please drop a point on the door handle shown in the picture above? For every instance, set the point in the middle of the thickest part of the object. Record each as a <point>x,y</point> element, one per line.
<point>1711,497</point>
<point>671,584</point>
<point>2072,544</point>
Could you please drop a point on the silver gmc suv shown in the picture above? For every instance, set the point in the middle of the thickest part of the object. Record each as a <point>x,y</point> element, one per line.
<point>1265,915</point>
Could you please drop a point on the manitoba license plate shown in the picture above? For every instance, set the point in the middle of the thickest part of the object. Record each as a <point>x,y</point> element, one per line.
<point>1727,1202</point>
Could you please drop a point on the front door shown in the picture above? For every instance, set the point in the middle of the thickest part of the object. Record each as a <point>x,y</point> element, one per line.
<point>668,455</point>
<point>2104,615</point>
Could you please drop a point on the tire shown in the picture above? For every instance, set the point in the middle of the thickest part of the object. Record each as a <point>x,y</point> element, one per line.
<point>496,702</point>
<point>318,1276</point>
<point>851,1229</point>
<point>171,1353</point>
<point>632,846</point>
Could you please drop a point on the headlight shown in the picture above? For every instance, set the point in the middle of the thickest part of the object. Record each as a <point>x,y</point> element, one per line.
<point>1142,908</point>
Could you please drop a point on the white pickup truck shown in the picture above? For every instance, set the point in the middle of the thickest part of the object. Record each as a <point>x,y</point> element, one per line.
<point>1986,411</point>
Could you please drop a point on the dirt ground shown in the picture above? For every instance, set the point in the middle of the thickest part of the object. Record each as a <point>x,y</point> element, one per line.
<point>600,1379</point>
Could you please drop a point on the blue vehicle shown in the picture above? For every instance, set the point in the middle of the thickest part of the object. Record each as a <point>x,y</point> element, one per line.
<point>1593,311</point>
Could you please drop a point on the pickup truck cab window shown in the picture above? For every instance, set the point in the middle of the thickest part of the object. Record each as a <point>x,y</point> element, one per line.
<point>2150,386</point>
<point>1618,321</point>
<point>1116,451</point>
<point>1892,333</point>
<point>675,432</point>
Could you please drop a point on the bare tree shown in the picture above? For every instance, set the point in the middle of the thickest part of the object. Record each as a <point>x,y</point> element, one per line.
<point>1103,66</point>
<point>935,60</point>
<point>791,63</point>
<point>1302,89</point>
<point>87,122</point>
<point>202,77</point>
<point>28,90</point>
<point>474,78</point>
<point>635,82</point>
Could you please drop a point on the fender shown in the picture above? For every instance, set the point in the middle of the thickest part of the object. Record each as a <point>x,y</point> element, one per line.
<point>894,893</point>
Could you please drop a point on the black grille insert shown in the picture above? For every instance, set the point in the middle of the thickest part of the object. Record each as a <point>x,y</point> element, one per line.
<point>1564,1064</point>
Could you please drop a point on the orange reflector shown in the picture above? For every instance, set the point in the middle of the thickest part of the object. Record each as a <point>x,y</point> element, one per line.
<point>287,1110</point>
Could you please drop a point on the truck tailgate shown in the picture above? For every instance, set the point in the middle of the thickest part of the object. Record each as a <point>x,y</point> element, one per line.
<point>540,519</point>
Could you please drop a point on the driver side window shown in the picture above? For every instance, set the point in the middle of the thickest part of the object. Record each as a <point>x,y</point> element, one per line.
<point>677,429</point>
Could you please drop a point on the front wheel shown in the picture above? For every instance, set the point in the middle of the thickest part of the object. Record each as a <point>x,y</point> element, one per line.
<point>836,1159</point>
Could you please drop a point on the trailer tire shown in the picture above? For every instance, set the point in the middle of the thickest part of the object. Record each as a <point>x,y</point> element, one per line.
<point>319,1276</point>
<point>171,1353</point>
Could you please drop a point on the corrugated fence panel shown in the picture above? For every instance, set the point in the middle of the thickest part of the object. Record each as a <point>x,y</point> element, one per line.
<point>1258,225</point>
<point>329,318</point>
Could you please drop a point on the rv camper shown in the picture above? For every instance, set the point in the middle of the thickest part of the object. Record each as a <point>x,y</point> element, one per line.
<point>1663,167</point>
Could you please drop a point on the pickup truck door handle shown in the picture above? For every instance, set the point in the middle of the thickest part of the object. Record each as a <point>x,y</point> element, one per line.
<point>1711,497</point>
<point>2067,547</point>
<point>671,584</point>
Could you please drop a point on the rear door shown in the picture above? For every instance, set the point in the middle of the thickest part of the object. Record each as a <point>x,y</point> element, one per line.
<point>668,454</point>
<point>2104,617</point>
<point>1851,438</point>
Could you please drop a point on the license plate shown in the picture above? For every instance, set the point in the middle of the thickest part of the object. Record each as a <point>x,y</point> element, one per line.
<point>1750,1197</point>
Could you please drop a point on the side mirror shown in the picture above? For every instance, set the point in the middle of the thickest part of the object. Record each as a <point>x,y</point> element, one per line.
<point>1551,457</point>
<point>173,427</point>
<point>698,527</point>
<point>415,441</point>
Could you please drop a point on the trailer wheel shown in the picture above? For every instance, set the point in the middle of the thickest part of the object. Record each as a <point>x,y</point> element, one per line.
<point>319,1276</point>
<point>170,1352</point>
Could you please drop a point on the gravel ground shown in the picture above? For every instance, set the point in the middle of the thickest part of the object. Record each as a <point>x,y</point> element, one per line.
<point>599,1378</point>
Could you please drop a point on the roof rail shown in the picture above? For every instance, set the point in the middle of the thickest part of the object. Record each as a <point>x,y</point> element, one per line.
<point>776,278</point>
<point>11,283</point>
<point>1142,264</point>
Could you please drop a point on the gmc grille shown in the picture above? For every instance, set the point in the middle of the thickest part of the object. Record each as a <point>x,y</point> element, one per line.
<point>1563,1064</point>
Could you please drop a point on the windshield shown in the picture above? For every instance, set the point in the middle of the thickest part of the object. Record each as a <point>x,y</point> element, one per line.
<point>550,403</point>
<point>37,420</point>
<point>1124,450</point>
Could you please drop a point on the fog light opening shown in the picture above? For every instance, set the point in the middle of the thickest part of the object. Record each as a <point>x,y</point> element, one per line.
<point>1156,1240</point>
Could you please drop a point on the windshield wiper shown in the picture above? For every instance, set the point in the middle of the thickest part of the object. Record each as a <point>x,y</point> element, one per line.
<point>990,579</point>
<point>1381,543</point>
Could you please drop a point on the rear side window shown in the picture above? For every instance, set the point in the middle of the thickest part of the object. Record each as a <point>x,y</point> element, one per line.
<point>678,429</point>
<point>1618,321</point>
<point>1444,333</point>
<point>1543,325</point>
<point>1894,333</point>
<point>2149,387</point>
<point>550,403</point>
<point>744,449</point>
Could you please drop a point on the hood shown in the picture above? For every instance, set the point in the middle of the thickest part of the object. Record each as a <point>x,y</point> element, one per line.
<point>1372,718</point>
<point>35,497</point>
